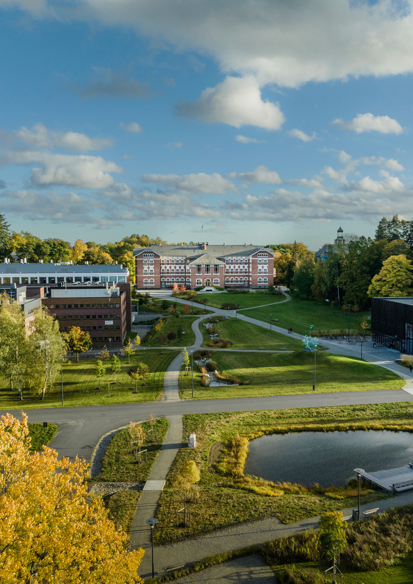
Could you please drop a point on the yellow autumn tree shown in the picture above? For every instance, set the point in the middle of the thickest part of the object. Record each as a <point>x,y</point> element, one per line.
<point>51,529</point>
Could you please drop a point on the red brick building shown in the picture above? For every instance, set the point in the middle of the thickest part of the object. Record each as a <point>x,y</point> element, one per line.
<point>104,310</point>
<point>227,266</point>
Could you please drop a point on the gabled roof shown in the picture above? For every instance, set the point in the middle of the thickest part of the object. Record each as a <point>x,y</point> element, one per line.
<point>195,251</point>
<point>206,259</point>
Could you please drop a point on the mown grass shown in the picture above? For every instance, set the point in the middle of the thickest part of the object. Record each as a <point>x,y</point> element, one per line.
<point>121,465</point>
<point>81,385</point>
<point>173,324</point>
<point>242,300</point>
<point>224,500</point>
<point>41,436</point>
<point>122,507</point>
<point>155,306</point>
<point>300,314</point>
<point>290,373</point>
<point>246,336</point>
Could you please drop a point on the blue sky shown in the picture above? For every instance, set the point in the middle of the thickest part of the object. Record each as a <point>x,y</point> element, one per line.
<point>244,121</point>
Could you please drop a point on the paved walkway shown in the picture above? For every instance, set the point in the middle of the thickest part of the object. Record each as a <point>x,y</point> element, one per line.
<point>249,569</point>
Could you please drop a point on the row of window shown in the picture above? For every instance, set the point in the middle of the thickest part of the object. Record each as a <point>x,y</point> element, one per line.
<point>70,306</point>
<point>108,317</point>
<point>61,279</point>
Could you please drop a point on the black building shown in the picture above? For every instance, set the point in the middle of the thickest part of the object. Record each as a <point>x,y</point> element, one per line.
<point>392,323</point>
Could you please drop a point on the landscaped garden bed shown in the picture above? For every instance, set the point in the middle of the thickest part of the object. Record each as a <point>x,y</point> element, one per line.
<point>247,336</point>
<point>171,331</point>
<point>227,496</point>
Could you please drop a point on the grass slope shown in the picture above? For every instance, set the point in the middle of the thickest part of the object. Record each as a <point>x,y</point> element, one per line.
<point>243,300</point>
<point>244,335</point>
<point>221,503</point>
<point>300,314</point>
<point>80,384</point>
<point>122,508</point>
<point>291,373</point>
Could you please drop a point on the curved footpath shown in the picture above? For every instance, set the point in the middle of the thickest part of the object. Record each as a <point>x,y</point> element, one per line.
<point>81,428</point>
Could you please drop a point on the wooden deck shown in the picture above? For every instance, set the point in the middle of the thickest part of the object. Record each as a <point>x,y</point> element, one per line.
<point>394,479</point>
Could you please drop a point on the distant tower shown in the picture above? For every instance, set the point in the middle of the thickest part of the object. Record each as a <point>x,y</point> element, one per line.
<point>340,237</point>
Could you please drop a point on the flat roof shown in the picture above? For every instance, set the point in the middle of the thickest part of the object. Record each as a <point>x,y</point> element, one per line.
<point>50,268</point>
<point>399,299</point>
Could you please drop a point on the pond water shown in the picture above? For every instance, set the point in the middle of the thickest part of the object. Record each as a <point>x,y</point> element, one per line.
<point>326,458</point>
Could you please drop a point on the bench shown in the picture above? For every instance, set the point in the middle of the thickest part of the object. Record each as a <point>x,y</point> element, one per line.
<point>370,511</point>
<point>347,518</point>
<point>173,568</point>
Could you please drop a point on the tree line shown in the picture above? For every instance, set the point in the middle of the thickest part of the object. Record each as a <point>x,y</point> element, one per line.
<point>355,271</point>
<point>35,249</point>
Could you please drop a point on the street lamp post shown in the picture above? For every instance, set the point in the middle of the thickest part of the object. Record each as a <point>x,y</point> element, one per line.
<point>348,323</point>
<point>361,348</point>
<point>61,374</point>
<point>152,522</point>
<point>270,321</point>
<point>110,344</point>
<point>192,372</point>
<point>358,495</point>
<point>315,365</point>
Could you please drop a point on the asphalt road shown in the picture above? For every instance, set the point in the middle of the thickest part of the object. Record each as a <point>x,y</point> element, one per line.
<point>81,428</point>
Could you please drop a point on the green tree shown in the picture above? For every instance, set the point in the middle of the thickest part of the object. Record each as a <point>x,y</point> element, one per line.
<point>46,346</point>
<point>6,244</point>
<point>14,354</point>
<point>185,360</point>
<point>104,354</point>
<point>100,371</point>
<point>129,350</point>
<point>137,341</point>
<point>77,341</point>
<point>304,274</point>
<point>116,366</point>
<point>333,534</point>
<point>396,247</point>
<point>394,279</point>
<point>142,370</point>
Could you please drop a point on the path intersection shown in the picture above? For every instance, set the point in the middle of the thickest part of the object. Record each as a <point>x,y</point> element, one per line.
<point>81,428</point>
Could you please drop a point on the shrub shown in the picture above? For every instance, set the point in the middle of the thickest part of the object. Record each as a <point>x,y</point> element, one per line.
<point>211,366</point>
<point>202,354</point>
<point>214,319</point>
<point>304,547</point>
<point>219,344</point>
<point>205,381</point>
<point>299,575</point>
<point>213,330</point>
<point>229,306</point>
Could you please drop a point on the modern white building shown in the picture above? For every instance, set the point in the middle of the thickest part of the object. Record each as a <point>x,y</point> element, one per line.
<point>43,273</point>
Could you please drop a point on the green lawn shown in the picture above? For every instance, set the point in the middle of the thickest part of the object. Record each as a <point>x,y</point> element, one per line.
<point>156,307</point>
<point>291,373</point>
<point>41,435</point>
<point>243,300</point>
<point>122,508</point>
<point>224,500</point>
<point>81,385</point>
<point>401,573</point>
<point>244,335</point>
<point>173,324</point>
<point>300,314</point>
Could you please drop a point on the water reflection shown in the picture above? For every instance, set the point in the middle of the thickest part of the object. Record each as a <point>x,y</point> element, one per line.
<point>327,458</point>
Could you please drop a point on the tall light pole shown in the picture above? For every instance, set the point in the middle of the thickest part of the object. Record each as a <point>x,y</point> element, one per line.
<point>152,522</point>
<point>192,372</point>
<point>315,363</point>
<point>348,323</point>
<point>61,373</point>
<point>270,321</point>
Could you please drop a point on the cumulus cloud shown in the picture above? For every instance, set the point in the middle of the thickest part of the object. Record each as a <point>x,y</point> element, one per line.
<point>390,184</point>
<point>288,43</point>
<point>40,137</point>
<point>2,184</point>
<point>177,145</point>
<point>236,101</point>
<point>246,140</point>
<point>133,127</point>
<point>260,175</point>
<point>36,7</point>
<point>61,169</point>
<point>107,83</point>
<point>200,183</point>
<point>301,135</point>
<point>370,123</point>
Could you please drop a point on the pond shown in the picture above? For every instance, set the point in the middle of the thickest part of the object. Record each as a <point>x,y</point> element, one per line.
<point>326,458</point>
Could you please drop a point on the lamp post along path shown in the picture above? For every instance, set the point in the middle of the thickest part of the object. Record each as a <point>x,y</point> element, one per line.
<point>152,522</point>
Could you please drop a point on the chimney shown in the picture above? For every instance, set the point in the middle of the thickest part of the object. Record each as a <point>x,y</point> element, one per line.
<point>6,261</point>
<point>22,261</point>
<point>87,263</point>
<point>204,245</point>
<point>40,261</point>
<point>25,260</point>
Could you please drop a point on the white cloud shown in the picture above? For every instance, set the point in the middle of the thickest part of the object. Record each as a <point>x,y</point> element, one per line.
<point>36,7</point>
<point>237,102</point>
<point>193,183</point>
<point>108,83</point>
<point>177,145</point>
<point>370,123</point>
<point>260,175</point>
<point>61,169</point>
<point>133,127</point>
<point>302,135</point>
<point>40,137</point>
<point>246,140</point>
<point>390,184</point>
<point>288,43</point>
